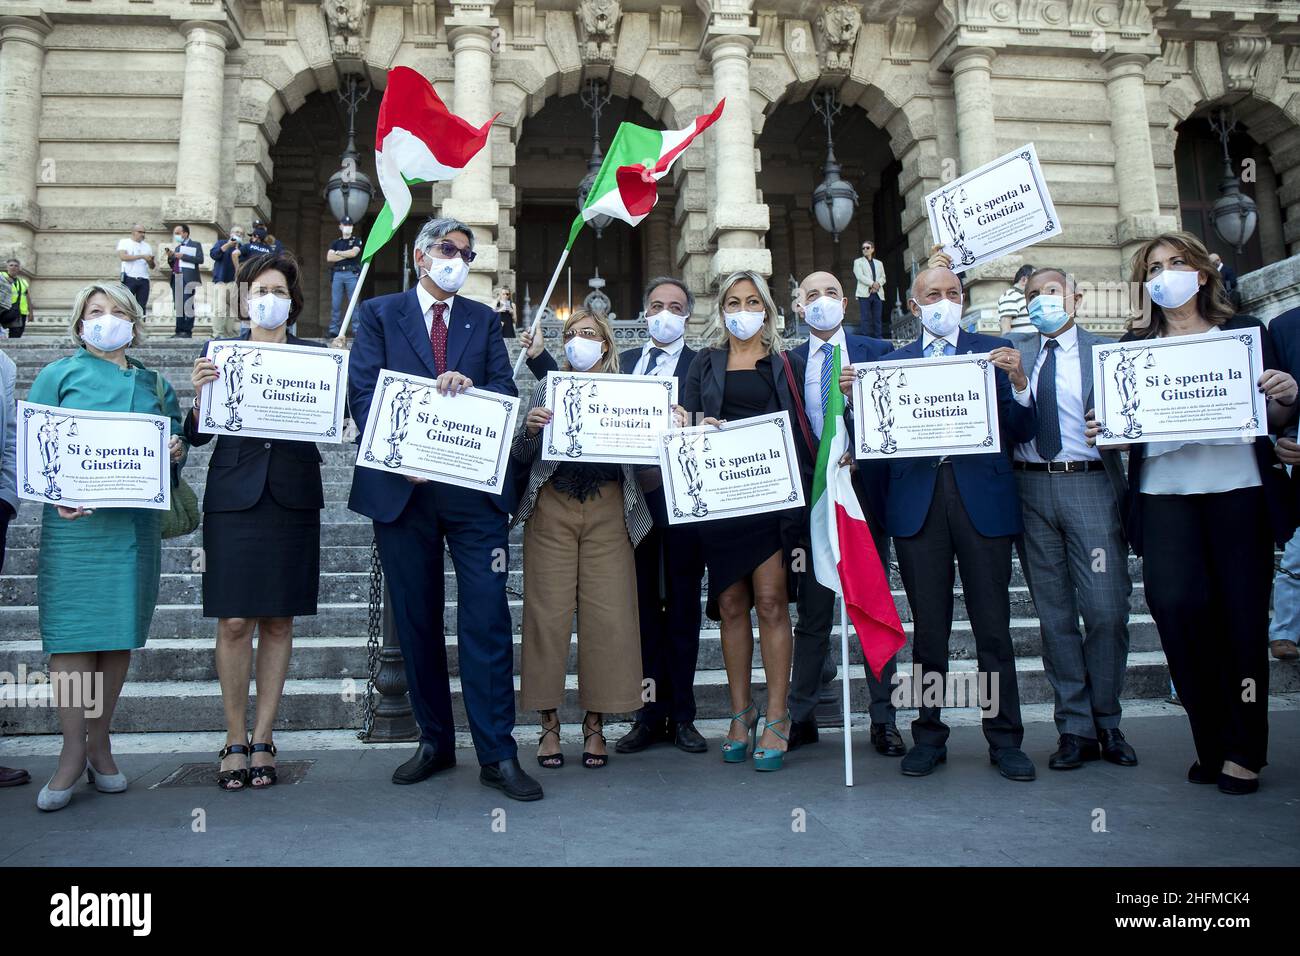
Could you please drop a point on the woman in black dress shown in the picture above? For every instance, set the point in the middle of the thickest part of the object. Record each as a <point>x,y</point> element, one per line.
<point>745,372</point>
<point>261,535</point>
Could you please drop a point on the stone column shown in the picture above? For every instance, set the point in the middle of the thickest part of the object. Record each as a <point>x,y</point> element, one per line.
<point>737,221</point>
<point>1272,244</point>
<point>470,34</point>
<point>198,154</point>
<point>658,243</point>
<point>22,60</point>
<point>1135,169</point>
<point>972,88</point>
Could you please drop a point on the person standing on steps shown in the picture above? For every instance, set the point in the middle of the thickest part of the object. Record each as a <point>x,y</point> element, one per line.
<point>262,502</point>
<point>433,332</point>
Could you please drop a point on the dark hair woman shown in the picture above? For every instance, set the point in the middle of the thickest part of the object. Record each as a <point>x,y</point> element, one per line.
<point>261,536</point>
<point>1204,516</point>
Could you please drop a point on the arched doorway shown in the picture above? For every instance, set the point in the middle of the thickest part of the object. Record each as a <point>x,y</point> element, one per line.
<point>1198,160</point>
<point>793,147</point>
<point>551,155</point>
<point>305,155</point>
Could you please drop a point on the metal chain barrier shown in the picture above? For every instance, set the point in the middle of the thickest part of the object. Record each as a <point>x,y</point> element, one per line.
<point>374,632</point>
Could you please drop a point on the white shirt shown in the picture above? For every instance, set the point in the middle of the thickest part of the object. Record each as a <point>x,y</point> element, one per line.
<point>927,337</point>
<point>1069,400</point>
<point>426,307</point>
<point>812,376</point>
<point>136,268</point>
<point>666,363</point>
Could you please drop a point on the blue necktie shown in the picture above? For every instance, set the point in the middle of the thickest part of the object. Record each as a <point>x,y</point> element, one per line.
<point>1049,421</point>
<point>828,356</point>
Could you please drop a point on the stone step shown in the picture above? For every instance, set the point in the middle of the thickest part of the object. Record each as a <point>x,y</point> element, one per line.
<point>339,658</point>
<point>191,706</point>
<point>344,598</point>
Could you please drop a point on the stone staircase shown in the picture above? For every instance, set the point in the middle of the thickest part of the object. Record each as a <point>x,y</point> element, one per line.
<point>172,683</point>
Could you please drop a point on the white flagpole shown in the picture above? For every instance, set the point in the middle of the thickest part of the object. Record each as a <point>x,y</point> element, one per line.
<point>356,296</point>
<point>844,683</point>
<point>541,307</point>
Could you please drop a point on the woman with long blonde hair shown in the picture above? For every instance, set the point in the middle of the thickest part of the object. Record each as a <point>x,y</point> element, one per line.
<point>743,372</point>
<point>581,523</point>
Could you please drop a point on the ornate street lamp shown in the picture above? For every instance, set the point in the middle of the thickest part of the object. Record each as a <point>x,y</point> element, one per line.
<point>595,98</point>
<point>1234,214</point>
<point>834,200</point>
<point>349,190</point>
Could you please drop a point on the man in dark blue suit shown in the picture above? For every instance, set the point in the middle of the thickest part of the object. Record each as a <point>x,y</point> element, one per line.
<point>1284,630</point>
<point>822,301</point>
<point>669,562</point>
<point>430,331</point>
<point>964,507</point>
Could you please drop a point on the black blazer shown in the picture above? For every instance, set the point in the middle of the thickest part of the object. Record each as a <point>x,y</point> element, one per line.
<point>1272,475</point>
<point>242,468</point>
<point>706,382</point>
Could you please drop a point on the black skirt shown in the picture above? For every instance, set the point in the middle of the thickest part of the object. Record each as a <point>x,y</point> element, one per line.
<point>263,562</point>
<point>734,547</point>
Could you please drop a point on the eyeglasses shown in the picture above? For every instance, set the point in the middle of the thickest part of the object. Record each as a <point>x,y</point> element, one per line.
<point>449,250</point>
<point>593,334</point>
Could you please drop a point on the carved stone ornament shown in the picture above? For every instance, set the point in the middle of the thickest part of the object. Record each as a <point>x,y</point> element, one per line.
<point>347,24</point>
<point>837,31</point>
<point>598,21</point>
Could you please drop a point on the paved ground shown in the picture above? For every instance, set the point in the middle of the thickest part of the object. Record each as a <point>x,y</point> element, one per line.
<point>666,807</point>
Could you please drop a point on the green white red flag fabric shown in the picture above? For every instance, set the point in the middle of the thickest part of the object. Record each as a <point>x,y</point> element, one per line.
<point>627,184</point>
<point>417,140</point>
<point>844,555</point>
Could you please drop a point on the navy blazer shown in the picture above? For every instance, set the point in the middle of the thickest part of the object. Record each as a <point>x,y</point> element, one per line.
<point>223,263</point>
<point>242,468</point>
<point>191,263</point>
<point>390,333</point>
<point>985,482</point>
<point>871,478</point>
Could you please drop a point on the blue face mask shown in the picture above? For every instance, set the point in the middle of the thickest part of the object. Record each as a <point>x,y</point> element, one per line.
<point>1047,313</point>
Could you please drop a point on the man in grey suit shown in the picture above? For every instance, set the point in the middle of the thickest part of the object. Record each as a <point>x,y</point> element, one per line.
<point>1075,553</point>
<point>8,495</point>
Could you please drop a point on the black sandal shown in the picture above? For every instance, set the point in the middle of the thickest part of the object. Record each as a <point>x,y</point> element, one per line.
<point>226,778</point>
<point>589,760</point>
<point>550,761</point>
<point>266,774</point>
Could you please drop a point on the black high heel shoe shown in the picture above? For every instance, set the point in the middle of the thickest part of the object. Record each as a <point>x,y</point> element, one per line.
<point>589,760</point>
<point>550,761</point>
<point>226,779</point>
<point>264,774</point>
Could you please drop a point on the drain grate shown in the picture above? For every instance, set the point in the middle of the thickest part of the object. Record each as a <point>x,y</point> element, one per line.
<point>205,774</point>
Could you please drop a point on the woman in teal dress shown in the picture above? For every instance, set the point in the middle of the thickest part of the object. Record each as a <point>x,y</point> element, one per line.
<point>98,572</point>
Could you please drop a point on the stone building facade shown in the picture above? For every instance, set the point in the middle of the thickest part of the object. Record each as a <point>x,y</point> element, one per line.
<point>213,112</point>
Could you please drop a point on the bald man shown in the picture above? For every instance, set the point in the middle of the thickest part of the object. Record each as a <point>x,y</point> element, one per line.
<point>822,304</point>
<point>137,259</point>
<point>962,507</point>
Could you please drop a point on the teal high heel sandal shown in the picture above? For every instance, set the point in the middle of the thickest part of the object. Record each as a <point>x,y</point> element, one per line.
<point>771,759</point>
<point>735,751</point>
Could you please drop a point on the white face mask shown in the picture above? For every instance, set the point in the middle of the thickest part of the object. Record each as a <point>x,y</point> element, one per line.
<point>347,232</point>
<point>744,325</point>
<point>447,274</point>
<point>665,326</point>
<point>941,318</point>
<point>107,333</point>
<point>269,310</point>
<point>824,314</point>
<point>1173,287</point>
<point>583,353</point>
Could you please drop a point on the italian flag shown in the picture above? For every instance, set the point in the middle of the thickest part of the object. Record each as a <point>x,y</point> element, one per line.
<point>627,183</point>
<point>418,140</point>
<point>844,556</point>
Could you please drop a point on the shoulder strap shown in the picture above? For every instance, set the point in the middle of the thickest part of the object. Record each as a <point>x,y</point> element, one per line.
<point>796,395</point>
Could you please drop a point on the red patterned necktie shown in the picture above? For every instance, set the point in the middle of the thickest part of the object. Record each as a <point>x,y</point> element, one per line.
<point>438,337</point>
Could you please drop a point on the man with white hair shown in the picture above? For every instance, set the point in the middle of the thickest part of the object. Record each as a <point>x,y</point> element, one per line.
<point>432,332</point>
